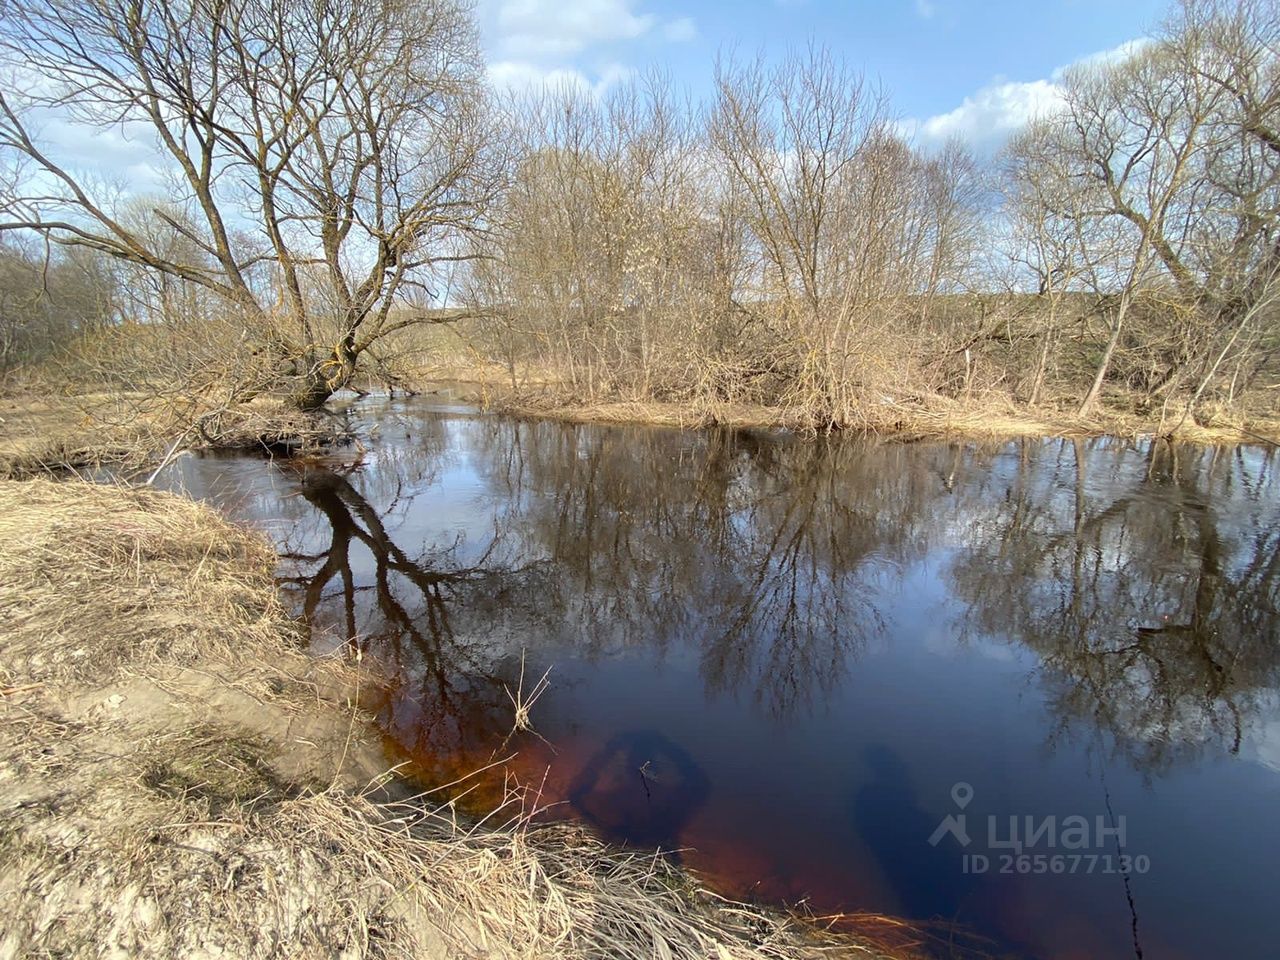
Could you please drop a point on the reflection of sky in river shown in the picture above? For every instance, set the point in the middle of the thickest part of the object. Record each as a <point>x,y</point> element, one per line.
<point>1264,745</point>
<point>811,645</point>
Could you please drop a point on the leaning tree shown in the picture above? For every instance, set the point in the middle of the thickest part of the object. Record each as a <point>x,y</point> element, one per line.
<point>325,159</point>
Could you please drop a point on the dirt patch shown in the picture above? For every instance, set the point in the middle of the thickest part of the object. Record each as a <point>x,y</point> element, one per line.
<point>178,778</point>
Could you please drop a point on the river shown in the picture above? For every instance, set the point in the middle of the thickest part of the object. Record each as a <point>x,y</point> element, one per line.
<point>1027,689</point>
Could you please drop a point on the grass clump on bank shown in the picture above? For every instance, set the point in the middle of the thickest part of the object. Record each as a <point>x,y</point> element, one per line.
<point>177,778</point>
<point>133,433</point>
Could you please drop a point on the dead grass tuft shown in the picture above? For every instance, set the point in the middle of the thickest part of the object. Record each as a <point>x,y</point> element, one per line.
<point>97,579</point>
<point>169,787</point>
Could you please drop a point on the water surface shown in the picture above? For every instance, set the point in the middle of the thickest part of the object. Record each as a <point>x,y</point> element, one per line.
<point>791,661</point>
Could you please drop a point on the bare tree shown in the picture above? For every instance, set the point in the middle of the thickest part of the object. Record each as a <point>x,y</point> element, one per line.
<point>850,231</point>
<point>1131,133</point>
<point>1041,229</point>
<point>48,302</point>
<point>328,157</point>
<point>786,246</point>
<point>1163,172</point>
<point>602,259</point>
<point>1232,257</point>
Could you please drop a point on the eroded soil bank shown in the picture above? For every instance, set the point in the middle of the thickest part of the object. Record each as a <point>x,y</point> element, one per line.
<point>178,779</point>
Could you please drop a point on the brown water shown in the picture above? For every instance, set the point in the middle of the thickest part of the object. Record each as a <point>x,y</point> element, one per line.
<point>792,661</point>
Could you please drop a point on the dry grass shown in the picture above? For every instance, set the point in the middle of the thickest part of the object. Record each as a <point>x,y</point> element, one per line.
<point>178,779</point>
<point>40,432</point>
<point>556,405</point>
<point>53,432</point>
<point>522,702</point>
<point>97,579</point>
<point>939,418</point>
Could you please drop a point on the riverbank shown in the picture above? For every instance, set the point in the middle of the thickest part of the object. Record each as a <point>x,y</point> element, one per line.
<point>40,434</point>
<point>938,420</point>
<point>178,778</point>
<point>46,432</point>
<point>992,416</point>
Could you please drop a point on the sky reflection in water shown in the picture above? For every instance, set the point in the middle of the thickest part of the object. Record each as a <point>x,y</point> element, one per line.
<point>780,657</point>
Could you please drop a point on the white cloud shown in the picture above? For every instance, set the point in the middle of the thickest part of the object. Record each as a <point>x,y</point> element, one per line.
<point>985,120</point>
<point>534,28</point>
<point>680,30</point>
<point>1104,57</point>
<point>117,157</point>
<point>518,76</point>
<point>994,113</point>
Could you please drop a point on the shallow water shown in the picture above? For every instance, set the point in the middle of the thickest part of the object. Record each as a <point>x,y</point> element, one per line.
<point>793,661</point>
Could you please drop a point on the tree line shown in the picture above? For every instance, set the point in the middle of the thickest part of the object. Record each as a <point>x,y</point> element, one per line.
<point>336,174</point>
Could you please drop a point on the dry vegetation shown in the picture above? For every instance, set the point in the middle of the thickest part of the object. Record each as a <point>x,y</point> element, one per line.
<point>66,415</point>
<point>178,779</point>
<point>993,417</point>
<point>440,363</point>
<point>786,246</point>
<point>133,433</point>
<point>782,247</point>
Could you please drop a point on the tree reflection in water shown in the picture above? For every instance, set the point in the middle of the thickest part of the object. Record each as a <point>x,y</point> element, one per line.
<point>779,655</point>
<point>1146,584</point>
<point>1143,577</point>
<point>452,695</point>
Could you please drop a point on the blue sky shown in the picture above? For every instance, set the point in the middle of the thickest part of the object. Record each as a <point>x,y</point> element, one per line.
<point>977,70</point>
<point>968,67</point>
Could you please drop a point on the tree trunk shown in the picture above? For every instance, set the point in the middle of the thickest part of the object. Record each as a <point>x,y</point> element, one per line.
<point>1095,389</point>
<point>1042,363</point>
<point>324,378</point>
